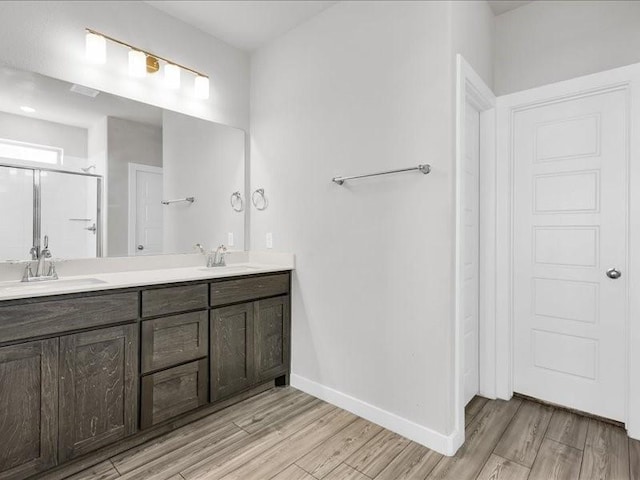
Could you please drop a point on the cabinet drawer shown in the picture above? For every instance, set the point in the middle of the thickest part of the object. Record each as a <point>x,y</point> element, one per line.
<point>161,301</point>
<point>65,314</point>
<point>172,392</point>
<point>249,288</point>
<point>172,340</point>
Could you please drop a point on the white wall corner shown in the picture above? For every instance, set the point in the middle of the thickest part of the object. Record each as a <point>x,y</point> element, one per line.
<point>439,442</point>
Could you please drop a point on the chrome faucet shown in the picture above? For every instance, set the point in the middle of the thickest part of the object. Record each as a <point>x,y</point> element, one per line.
<point>214,258</point>
<point>41,257</point>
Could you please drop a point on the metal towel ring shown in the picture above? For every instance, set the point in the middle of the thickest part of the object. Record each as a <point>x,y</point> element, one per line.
<point>236,202</point>
<point>256,203</point>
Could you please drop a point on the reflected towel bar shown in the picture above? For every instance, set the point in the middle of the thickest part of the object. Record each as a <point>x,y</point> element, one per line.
<point>178,200</point>
<point>421,168</point>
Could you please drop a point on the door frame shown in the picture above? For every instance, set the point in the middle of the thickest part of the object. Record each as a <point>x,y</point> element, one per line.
<point>134,168</point>
<point>624,78</point>
<point>471,88</point>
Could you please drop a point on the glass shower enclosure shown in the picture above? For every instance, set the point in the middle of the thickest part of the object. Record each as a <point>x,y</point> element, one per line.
<point>66,206</point>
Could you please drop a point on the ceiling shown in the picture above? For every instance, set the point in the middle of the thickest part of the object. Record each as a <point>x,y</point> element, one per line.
<point>53,101</point>
<point>242,23</point>
<point>501,6</point>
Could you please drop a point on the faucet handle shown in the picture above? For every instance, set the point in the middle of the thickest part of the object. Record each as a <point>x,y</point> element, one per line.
<point>52,271</point>
<point>27,273</point>
<point>46,241</point>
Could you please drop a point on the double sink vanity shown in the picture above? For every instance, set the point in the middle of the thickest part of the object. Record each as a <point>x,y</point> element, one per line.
<point>94,365</point>
<point>128,335</point>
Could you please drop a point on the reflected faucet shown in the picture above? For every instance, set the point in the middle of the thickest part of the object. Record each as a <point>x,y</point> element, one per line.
<point>214,258</point>
<point>41,257</point>
<point>218,257</point>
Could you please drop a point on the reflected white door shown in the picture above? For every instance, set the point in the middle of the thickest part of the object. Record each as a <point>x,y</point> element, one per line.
<point>470,250</point>
<point>148,210</point>
<point>569,228</point>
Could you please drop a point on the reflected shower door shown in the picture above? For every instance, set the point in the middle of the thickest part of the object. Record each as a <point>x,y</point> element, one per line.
<point>70,214</point>
<point>16,213</point>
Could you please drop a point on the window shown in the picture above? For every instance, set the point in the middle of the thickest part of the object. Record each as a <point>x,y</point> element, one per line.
<point>30,153</point>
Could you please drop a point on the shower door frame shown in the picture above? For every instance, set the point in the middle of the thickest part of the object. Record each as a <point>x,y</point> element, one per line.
<point>37,201</point>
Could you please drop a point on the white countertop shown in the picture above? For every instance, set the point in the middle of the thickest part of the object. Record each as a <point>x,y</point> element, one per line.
<point>12,290</point>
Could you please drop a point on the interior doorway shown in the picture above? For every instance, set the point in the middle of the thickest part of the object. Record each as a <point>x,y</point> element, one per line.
<point>475,148</point>
<point>145,210</point>
<point>567,215</point>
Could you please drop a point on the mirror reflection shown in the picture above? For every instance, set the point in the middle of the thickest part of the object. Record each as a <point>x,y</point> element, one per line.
<point>101,175</point>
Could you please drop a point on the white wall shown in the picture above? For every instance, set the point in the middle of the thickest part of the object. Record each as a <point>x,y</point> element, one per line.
<point>127,142</point>
<point>48,38</point>
<point>32,130</point>
<point>545,42</point>
<point>364,86</point>
<point>206,161</point>
<point>473,26</point>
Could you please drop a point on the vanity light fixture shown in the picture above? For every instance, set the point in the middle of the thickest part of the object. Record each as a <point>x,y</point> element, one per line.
<point>95,48</point>
<point>142,62</point>
<point>27,109</point>
<point>137,63</point>
<point>172,76</point>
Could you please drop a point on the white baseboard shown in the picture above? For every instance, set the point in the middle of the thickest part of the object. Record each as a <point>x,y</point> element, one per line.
<point>444,444</point>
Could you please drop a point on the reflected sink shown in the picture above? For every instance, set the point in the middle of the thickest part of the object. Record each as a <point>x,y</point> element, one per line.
<point>230,269</point>
<point>9,287</point>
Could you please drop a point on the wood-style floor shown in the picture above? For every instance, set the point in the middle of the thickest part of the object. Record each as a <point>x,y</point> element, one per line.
<point>284,434</point>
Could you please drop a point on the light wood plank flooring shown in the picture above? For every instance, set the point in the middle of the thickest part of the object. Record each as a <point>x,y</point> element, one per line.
<point>284,434</point>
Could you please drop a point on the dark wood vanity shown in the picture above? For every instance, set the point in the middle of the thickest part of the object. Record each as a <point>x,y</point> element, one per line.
<point>86,375</point>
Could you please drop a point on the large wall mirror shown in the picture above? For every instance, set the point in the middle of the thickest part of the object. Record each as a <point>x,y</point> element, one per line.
<point>101,175</point>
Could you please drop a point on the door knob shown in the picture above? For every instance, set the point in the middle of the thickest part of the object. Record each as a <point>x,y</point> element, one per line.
<point>140,247</point>
<point>614,273</point>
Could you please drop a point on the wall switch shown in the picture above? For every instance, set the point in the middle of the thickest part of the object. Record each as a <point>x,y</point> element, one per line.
<point>269,240</point>
<point>230,239</point>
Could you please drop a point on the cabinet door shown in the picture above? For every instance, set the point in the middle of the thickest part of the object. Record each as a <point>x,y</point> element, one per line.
<point>28,408</point>
<point>272,330</point>
<point>232,362</point>
<point>172,392</point>
<point>98,389</point>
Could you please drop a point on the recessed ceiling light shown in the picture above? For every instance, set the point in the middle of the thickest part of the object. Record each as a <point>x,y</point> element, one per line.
<point>27,109</point>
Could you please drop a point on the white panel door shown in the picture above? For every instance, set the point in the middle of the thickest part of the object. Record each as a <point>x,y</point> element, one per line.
<point>148,219</point>
<point>569,221</point>
<point>470,250</point>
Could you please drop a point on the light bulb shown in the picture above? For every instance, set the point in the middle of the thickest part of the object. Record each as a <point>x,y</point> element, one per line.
<point>172,76</point>
<point>95,48</point>
<point>201,87</point>
<point>137,63</point>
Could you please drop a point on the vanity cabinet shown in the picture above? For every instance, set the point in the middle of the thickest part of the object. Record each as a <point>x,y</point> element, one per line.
<point>87,373</point>
<point>28,408</point>
<point>98,389</point>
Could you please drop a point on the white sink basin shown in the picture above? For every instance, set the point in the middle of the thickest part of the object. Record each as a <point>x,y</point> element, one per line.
<point>10,287</point>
